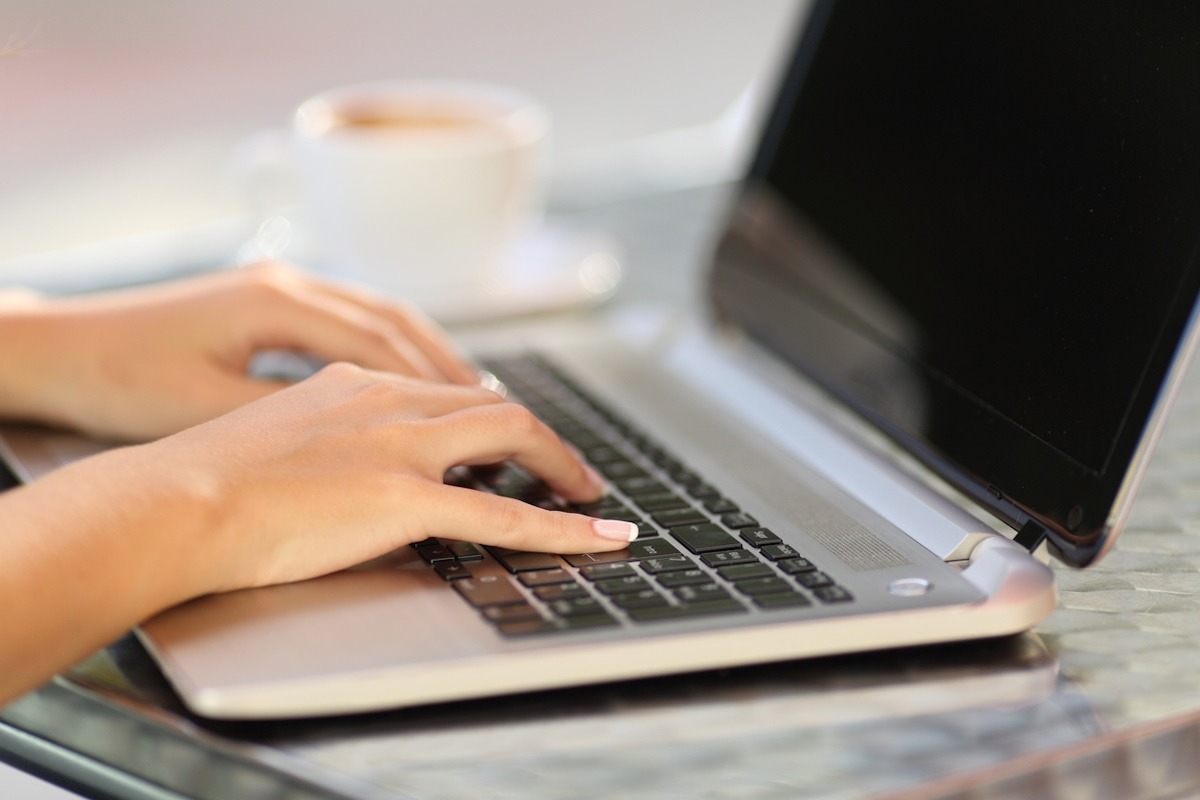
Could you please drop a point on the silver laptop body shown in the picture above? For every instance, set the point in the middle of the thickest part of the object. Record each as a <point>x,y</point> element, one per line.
<point>918,543</point>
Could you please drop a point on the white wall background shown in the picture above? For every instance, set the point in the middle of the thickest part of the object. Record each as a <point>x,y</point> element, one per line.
<point>118,116</point>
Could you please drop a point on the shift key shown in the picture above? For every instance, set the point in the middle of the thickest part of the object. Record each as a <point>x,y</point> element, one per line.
<point>637,550</point>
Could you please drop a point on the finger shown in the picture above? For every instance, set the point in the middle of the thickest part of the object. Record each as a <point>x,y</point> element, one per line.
<point>332,329</point>
<point>470,515</point>
<point>223,391</point>
<point>424,399</point>
<point>419,329</point>
<point>509,432</point>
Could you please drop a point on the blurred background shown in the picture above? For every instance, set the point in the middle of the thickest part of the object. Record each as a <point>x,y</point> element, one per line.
<point>119,117</point>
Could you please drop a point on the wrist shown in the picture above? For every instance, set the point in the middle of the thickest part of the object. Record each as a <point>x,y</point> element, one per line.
<point>35,362</point>
<point>175,516</point>
<point>136,522</point>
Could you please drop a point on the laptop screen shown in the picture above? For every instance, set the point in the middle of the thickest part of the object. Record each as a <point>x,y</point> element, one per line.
<point>978,223</point>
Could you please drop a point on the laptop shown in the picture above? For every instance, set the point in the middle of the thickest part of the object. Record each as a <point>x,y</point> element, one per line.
<point>946,319</point>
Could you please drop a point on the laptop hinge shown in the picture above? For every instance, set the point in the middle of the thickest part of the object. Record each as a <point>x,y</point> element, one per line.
<point>1031,535</point>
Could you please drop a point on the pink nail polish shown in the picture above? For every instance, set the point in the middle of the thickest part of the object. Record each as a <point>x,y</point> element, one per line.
<point>615,529</point>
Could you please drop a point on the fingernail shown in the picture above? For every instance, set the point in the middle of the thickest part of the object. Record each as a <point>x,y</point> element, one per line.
<point>615,529</point>
<point>490,382</point>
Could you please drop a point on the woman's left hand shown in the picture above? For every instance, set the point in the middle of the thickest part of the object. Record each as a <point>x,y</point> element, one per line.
<point>142,363</point>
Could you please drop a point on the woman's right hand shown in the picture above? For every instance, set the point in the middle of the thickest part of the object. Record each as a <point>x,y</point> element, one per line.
<point>349,465</point>
<point>322,475</point>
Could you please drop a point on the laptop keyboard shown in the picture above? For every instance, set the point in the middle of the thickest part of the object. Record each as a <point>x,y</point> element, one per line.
<point>697,554</point>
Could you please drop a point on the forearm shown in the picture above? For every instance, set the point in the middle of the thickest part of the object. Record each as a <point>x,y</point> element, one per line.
<point>87,553</point>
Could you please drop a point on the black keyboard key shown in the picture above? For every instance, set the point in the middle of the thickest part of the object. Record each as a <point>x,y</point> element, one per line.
<point>627,585</point>
<point>760,537</point>
<point>619,470</point>
<point>646,598</point>
<point>701,592</point>
<point>723,558</point>
<point>663,501</point>
<point>618,569</point>
<point>584,559</point>
<point>516,483</point>
<point>623,514</point>
<point>781,600</point>
<point>685,577</point>
<point>527,627</point>
<point>607,508</point>
<point>488,590</point>
<point>511,613</point>
<point>635,487</point>
<point>545,577</point>
<point>588,621</point>
<point>660,458</point>
<point>636,551</point>
<point>700,490</point>
<point>794,566</point>
<point>645,444</point>
<point>739,520</point>
<point>452,570</point>
<point>603,454</point>
<point>521,561</point>
<point>646,529</point>
<point>769,585</point>
<point>780,552</point>
<point>679,517</point>
<point>704,538</point>
<point>582,438</point>
<point>653,548</point>
<point>672,563</point>
<point>434,554</point>
<point>832,594</point>
<point>686,611</point>
<point>682,475</point>
<point>463,551</point>
<point>720,505</point>
<point>741,572</point>
<point>582,606</point>
<point>813,580</point>
<point>560,591</point>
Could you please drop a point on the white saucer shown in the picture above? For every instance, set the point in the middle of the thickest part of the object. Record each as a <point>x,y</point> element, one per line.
<point>551,268</point>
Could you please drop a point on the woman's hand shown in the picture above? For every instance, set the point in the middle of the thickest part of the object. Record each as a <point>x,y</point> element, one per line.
<point>349,465</point>
<point>330,472</point>
<point>143,363</point>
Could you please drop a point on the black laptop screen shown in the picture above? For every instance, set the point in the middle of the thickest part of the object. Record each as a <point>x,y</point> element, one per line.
<point>979,222</point>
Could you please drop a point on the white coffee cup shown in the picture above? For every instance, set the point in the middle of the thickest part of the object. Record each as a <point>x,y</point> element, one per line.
<point>417,188</point>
